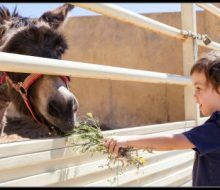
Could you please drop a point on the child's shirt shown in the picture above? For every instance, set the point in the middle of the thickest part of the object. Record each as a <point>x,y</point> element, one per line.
<point>206,138</point>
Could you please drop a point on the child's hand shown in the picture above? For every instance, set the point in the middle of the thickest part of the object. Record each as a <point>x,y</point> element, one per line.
<point>114,143</point>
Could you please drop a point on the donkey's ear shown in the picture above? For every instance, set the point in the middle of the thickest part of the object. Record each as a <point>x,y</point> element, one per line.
<point>56,17</point>
<point>4,14</point>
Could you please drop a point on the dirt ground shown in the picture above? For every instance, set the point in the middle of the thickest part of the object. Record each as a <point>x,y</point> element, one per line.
<point>19,130</point>
<point>23,130</point>
<point>11,138</point>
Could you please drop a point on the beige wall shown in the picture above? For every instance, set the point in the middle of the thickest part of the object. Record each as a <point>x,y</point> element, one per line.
<point>118,104</point>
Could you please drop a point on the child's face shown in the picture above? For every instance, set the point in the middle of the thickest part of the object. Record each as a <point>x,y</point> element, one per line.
<point>205,95</point>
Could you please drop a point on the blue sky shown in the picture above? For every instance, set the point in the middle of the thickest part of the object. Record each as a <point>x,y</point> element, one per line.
<point>36,9</point>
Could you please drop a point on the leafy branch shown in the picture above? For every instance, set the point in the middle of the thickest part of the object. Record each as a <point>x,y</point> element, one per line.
<point>90,139</point>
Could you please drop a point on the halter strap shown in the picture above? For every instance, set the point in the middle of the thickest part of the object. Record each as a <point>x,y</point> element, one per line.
<point>23,87</point>
<point>30,80</point>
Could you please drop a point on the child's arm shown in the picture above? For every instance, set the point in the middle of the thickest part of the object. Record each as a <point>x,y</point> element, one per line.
<point>153,142</point>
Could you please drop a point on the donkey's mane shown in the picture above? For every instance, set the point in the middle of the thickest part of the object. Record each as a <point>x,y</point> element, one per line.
<point>15,19</point>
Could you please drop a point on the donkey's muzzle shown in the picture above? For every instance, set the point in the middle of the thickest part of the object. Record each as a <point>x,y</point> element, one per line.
<point>62,110</point>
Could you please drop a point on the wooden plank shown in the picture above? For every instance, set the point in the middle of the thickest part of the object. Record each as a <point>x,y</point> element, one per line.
<point>14,173</point>
<point>146,171</point>
<point>187,184</point>
<point>30,146</point>
<point>148,129</point>
<point>53,175</point>
<point>175,179</point>
<point>33,146</point>
<point>157,175</point>
<point>151,158</point>
<point>34,158</point>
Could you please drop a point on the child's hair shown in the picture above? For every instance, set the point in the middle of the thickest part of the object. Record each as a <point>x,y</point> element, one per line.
<point>209,64</point>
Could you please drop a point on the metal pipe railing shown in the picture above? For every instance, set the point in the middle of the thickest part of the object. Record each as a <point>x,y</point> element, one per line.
<point>210,8</point>
<point>213,10</point>
<point>30,64</point>
<point>212,45</point>
<point>124,15</point>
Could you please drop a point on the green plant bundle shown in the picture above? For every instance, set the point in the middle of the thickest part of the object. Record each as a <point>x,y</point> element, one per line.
<point>90,139</point>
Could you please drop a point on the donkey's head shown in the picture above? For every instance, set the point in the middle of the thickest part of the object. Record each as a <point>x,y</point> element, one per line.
<point>49,97</point>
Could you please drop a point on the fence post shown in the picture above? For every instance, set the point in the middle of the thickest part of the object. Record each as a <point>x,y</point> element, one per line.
<point>190,55</point>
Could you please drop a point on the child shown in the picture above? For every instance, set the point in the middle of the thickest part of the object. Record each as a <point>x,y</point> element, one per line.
<point>204,139</point>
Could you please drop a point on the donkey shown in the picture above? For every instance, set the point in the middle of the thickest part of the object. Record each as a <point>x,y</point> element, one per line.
<point>38,105</point>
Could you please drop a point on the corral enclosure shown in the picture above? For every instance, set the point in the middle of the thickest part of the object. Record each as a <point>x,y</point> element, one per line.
<point>106,41</point>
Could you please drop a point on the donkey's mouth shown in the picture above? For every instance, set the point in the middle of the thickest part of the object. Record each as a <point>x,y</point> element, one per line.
<point>54,129</point>
<point>57,130</point>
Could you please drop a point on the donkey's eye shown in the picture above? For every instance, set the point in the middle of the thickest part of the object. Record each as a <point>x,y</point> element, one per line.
<point>57,17</point>
<point>60,50</point>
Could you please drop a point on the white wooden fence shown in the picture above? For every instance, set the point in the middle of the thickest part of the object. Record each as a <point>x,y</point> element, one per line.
<point>52,162</point>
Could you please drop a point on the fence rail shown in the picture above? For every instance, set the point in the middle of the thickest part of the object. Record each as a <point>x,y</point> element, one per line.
<point>51,162</point>
<point>141,21</point>
<point>210,8</point>
<point>30,64</point>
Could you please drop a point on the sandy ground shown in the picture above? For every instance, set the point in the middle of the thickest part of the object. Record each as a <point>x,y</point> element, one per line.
<point>23,131</point>
<point>20,130</point>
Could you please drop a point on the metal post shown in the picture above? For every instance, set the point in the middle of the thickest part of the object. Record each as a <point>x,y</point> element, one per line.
<point>190,55</point>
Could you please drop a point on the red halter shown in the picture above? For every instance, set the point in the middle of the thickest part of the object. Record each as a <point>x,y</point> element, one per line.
<point>22,88</point>
<point>2,78</point>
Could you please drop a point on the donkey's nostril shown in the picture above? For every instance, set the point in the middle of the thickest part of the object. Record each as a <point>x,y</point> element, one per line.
<point>75,106</point>
<point>54,109</point>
